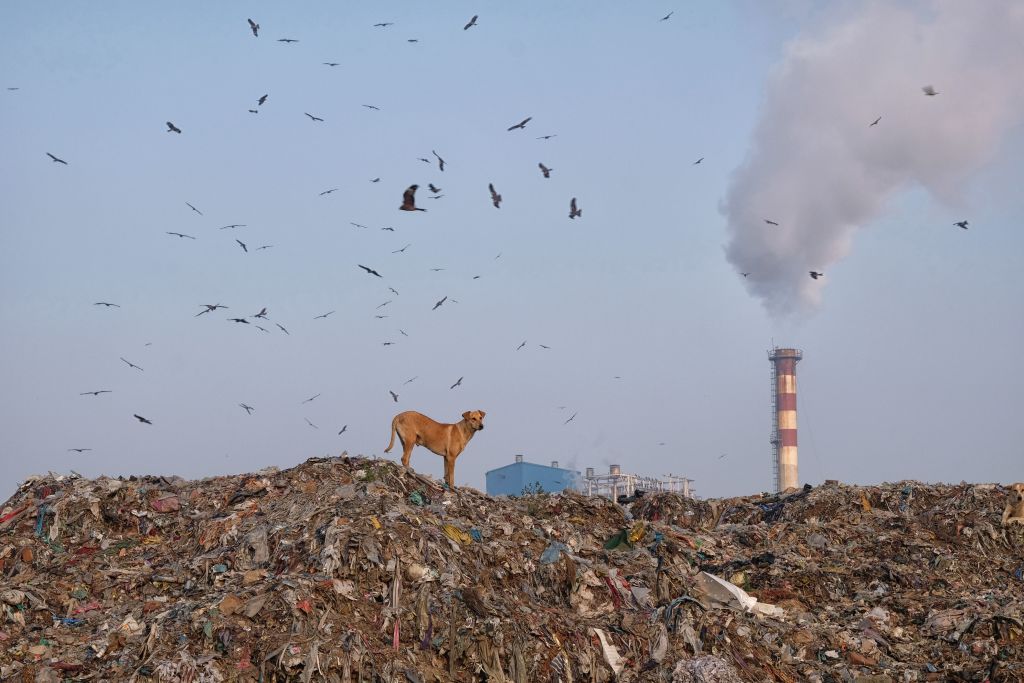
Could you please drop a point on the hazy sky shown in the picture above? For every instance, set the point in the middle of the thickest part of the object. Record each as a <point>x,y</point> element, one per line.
<point>912,341</point>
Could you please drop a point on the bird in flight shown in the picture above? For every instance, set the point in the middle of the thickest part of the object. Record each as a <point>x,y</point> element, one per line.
<point>194,208</point>
<point>375,180</point>
<point>440,161</point>
<point>242,245</point>
<point>570,419</point>
<point>314,118</point>
<point>744,274</point>
<point>171,128</point>
<point>573,211</point>
<point>547,137</point>
<point>770,222</point>
<point>543,347</point>
<point>342,430</point>
<point>142,419</point>
<point>384,24</point>
<point>370,271</point>
<point>264,246</point>
<point>358,225</point>
<point>209,308</point>
<point>310,423</point>
<point>107,304</point>
<point>424,160</point>
<point>247,408</point>
<point>472,23</point>
<point>495,197</point>
<point>239,320</point>
<point>132,365</point>
<point>254,111</point>
<point>79,450</point>
<point>929,91</point>
<point>260,101</point>
<point>385,303</point>
<point>408,381</point>
<point>815,274</point>
<point>545,170</point>
<point>393,395</point>
<point>333,189</point>
<point>323,316</point>
<point>330,63</point>
<point>281,327</point>
<point>233,225</point>
<point>875,122</point>
<point>95,393</point>
<point>56,160</point>
<point>458,383</point>
<point>521,345</point>
<point>666,17</point>
<point>409,199</point>
<point>698,161</point>
<point>309,399</point>
<point>387,343</point>
<point>438,304</point>
<point>399,251</point>
<point>262,313</point>
<point>394,290</point>
<point>181,234</point>
<point>370,106</point>
<point>961,224</point>
<point>255,28</point>
<point>413,40</point>
<point>287,40</point>
<point>521,124</point>
<point>436,270</point>
<point>433,188</point>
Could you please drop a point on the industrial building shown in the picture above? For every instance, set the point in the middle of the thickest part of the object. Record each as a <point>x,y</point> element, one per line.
<point>524,477</point>
<point>616,483</point>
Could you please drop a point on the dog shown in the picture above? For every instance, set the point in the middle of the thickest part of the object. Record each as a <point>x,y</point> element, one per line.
<point>1013,513</point>
<point>446,440</point>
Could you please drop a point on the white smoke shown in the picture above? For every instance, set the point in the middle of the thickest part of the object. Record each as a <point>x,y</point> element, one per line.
<point>818,169</point>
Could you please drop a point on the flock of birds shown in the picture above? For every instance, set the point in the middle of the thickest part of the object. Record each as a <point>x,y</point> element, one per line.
<point>408,203</point>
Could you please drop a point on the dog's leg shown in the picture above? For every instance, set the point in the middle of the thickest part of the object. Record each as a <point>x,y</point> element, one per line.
<point>407,447</point>
<point>449,470</point>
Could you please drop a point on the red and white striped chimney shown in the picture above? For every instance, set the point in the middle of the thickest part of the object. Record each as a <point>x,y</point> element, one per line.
<point>784,416</point>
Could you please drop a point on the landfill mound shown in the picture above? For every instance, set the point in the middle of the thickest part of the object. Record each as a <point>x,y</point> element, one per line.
<point>358,570</point>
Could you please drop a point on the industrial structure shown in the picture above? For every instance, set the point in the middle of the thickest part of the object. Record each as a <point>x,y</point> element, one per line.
<point>783,439</point>
<point>522,477</point>
<point>615,483</point>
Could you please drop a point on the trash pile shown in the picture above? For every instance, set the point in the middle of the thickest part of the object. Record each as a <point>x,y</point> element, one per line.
<point>356,570</point>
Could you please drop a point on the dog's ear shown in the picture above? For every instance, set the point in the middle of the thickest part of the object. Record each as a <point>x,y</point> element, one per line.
<point>466,415</point>
<point>482,413</point>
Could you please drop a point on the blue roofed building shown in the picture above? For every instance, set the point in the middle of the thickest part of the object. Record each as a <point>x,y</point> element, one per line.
<point>511,480</point>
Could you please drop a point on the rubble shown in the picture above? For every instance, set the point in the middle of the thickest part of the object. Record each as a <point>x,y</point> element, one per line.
<point>356,570</point>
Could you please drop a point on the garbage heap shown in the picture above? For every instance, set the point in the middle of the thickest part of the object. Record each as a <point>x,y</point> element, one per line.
<point>351,569</point>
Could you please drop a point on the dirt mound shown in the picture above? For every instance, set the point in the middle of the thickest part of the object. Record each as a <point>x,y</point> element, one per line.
<point>349,569</point>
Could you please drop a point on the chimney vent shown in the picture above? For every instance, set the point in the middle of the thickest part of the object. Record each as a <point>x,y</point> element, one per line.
<point>519,457</point>
<point>615,470</point>
<point>554,463</point>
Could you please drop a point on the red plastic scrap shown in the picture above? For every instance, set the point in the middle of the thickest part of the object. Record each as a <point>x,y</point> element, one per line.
<point>13,514</point>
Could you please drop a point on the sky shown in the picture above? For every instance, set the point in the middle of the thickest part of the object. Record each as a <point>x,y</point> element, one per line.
<point>657,344</point>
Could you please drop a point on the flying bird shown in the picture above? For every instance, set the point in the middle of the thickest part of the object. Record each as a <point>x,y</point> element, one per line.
<point>107,304</point>
<point>79,450</point>
<point>239,320</point>
<point>333,189</point>
<point>570,419</point>
<point>95,393</point>
<point>330,63</point>
<point>209,308</point>
<point>255,28</point>
<point>424,160</point>
<point>394,290</point>
<point>665,18</point>
<point>547,137</point>
<point>314,118</point>
<point>309,399</point>
<point>543,347</point>
<point>323,316</point>
<point>287,40</point>
<point>264,246</point>
<point>438,304</point>
<point>472,22</point>
<point>262,329</point>
<point>233,225</point>
<point>770,222</point>
<point>815,274</point>
<point>413,40</point>
<point>283,329</point>
<point>56,160</point>
<point>370,271</point>
<point>433,188</point>
<point>194,208</point>
<point>521,345</point>
<point>929,91</point>
<point>385,304</point>
<point>495,197</point>
<point>359,225</point>
<point>384,24</point>
<point>875,122</point>
<point>375,180</point>
<point>181,234</point>
<point>698,161</point>
<point>744,274</point>
<point>262,313</point>
<point>961,224</point>
<point>247,408</point>
<point>573,211</point>
<point>342,430</point>
<point>389,228</point>
<point>171,128</point>
<point>254,111</point>
<point>393,395</point>
<point>387,343</point>
<point>310,423</point>
<point>545,170</point>
<point>370,106</point>
<point>409,199</point>
<point>399,251</point>
<point>456,384</point>
<point>242,245</point>
<point>261,100</point>
<point>440,161</point>
<point>521,124</point>
<point>409,381</point>
<point>132,365</point>
<point>142,419</point>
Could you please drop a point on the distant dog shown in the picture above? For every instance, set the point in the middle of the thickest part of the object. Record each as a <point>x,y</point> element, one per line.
<point>1013,513</point>
<point>447,440</point>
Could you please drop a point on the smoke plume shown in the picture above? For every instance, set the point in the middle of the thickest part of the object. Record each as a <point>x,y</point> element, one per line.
<point>818,169</point>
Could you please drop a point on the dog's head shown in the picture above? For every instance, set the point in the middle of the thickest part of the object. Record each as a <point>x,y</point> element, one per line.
<point>1016,495</point>
<point>475,418</point>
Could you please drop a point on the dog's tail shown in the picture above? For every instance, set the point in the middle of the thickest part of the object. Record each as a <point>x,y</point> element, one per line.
<point>394,427</point>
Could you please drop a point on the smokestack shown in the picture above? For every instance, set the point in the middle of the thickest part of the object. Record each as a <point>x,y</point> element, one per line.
<point>519,457</point>
<point>554,463</point>
<point>784,416</point>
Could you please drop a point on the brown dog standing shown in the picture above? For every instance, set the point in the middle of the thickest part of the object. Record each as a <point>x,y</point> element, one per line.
<point>447,440</point>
